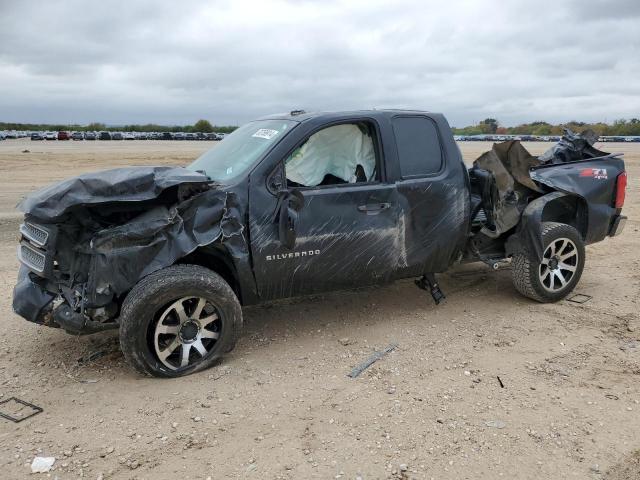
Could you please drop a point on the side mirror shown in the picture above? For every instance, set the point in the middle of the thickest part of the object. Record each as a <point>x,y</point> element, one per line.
<point>276,181</point>
<point>291,202</point>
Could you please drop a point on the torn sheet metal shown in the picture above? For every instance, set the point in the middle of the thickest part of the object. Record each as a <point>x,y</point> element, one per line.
<point>509,162</point>
<point>571,147</point>
<point>526,185</point>
<point>123,254</point>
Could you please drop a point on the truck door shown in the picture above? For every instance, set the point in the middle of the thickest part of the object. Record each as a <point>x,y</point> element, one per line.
<point>347,229</point>
<point>433,194</point>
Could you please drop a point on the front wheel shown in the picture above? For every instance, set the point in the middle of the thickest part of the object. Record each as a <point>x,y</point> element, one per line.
<point>560,269</point>
<point>179,320</point>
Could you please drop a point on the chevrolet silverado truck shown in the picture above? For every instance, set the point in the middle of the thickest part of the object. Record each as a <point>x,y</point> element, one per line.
<point>296,204</point>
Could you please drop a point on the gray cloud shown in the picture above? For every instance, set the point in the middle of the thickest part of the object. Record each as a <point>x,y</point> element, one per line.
<point>149,61</point>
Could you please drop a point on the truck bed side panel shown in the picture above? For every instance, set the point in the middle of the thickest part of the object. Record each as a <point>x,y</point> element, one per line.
<point>592,180</point>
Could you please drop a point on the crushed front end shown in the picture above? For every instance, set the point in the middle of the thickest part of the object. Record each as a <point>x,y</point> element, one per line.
<point>53,279</point>
<point>86,241</point>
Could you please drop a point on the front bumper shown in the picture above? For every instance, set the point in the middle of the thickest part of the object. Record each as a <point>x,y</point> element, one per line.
<point>35,304</point>
<point>617,226</point>
<point>31,301</point>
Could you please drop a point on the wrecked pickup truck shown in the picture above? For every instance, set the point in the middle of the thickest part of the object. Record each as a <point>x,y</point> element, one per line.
<point>300,204</point>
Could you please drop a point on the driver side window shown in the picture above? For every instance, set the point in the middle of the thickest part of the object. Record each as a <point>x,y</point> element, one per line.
<point>340,154</point>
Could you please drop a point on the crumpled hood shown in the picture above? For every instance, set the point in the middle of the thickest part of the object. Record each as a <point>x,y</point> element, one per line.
<point>108,229</point>
<point>129,184</point>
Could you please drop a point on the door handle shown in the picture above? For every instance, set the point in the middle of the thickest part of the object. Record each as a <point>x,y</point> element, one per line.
<point>373,208</point>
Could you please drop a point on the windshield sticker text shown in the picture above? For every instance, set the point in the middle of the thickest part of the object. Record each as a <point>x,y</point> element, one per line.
<point>265,133</point>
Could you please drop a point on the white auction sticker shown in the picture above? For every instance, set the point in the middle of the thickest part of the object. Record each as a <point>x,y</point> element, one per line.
<point>265,133</point>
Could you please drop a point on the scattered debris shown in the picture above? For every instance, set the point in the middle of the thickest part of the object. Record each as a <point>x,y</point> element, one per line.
<point>16,414</point>
<point>92,356</point>
<point>371,360</point>
<point>500,382</point>
<point>42,464</point>
<point>611,396</point>
<point>26,151</point>
<point>629,345</point>
<point>579,298</point>
<point>346,341</point>
<point>104,348</point>
<point>495,424</point>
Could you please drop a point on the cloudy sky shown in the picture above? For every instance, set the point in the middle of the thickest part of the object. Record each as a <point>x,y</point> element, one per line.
<point>231,61</point>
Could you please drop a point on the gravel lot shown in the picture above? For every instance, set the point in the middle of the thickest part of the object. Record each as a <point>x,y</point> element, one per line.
<point>281,405</point>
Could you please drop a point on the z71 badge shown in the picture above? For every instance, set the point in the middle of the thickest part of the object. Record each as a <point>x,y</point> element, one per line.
<point>597,173</point>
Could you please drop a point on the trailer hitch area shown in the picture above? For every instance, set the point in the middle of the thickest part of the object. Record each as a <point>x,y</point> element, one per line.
<point>428,282</point>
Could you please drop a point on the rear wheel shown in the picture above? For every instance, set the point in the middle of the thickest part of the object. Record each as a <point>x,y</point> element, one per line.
<point>560,268</point>
<point>179,320</point>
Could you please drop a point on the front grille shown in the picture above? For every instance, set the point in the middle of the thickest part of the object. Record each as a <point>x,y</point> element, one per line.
<point>34,233</point>
<point>32,258</point>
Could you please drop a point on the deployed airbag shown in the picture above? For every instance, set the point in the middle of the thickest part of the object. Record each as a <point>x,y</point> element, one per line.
<point>336,151</point>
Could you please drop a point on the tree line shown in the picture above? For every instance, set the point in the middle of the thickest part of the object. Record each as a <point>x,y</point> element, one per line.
<point>620,127</point>
<point>200,126</point>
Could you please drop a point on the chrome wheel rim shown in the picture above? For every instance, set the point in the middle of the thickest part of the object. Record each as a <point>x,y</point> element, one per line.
<point>186,332</point>
<point>559,264</point>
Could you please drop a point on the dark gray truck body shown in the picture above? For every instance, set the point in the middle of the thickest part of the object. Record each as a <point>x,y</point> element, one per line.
<point>87,241</point>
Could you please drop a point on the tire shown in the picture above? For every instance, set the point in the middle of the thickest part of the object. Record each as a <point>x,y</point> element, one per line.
<point>547,281</point>
<point>182,308</point>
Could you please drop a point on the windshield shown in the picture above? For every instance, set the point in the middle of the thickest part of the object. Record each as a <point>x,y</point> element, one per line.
<point>240,150</point>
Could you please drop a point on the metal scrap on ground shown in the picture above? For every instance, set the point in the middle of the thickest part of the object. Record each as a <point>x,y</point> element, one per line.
<point>16,415</point>
<point>579,298</point>
<point>371,360</point>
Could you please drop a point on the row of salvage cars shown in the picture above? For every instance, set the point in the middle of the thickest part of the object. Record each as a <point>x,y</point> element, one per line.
<point>105,135</point>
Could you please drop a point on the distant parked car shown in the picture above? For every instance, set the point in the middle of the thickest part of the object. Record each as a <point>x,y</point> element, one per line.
<point>77,136</point>
<point>142,136</point>
<point>104,136</point>
<point>89,135</point>
<point>178,136</point>
<point>117,136</point>
<point>167,136</point>
<point>128,136</point>
<point>37,136</point>
<point>62,135</point>
<point>50,136</point>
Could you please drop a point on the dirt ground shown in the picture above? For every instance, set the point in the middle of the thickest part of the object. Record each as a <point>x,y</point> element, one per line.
<point>280,406</point>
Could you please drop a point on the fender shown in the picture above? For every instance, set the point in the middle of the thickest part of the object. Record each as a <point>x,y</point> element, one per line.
<point>529,233</point>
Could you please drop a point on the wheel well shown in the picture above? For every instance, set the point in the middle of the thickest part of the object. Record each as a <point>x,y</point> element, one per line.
<point>569,209</point>
<point>215,259</point>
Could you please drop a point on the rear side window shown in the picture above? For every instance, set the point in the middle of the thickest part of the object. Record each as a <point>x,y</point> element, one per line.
<point>418,146</point>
